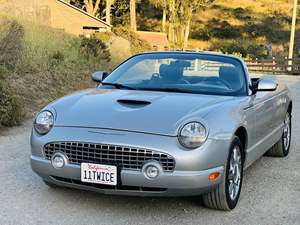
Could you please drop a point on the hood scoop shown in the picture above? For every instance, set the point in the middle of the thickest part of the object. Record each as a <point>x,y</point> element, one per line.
<point>133,102</point>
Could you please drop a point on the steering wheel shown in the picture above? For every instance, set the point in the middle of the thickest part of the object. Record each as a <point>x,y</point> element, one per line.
<point>185,81</point>
<point>226,83</point>
<point>155,76</point>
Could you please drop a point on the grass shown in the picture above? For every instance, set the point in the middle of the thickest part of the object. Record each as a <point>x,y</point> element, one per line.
<point>39,64</point>
<point>51,66</point>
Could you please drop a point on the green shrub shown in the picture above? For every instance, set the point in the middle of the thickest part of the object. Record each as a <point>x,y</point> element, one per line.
<point>136,43</point>
<point>103,36</point>
<point>11,43</point>
<point>200,34</point>
<point>94,48</point>
<point>253,30</point>
<point>11,48</point>
<point>222,29</point>
<point>10,110</point>
<point>246,49</point>
<point>241,13</point>
<point>3,72</point>
<point>56,58</point>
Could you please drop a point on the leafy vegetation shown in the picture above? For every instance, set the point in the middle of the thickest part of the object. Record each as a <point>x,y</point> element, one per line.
<point>94,49</point>
<point>241,47</point>
<point>136,43</point>
<point>39,64</point>
<point>10,110</point>
<point>11,48</point>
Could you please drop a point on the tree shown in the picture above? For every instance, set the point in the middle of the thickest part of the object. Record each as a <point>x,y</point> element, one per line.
<point>108,10</point>
<point>94,7</point>
<point>133,15</point>
<point>162,4</point>
<point>180,16</point>
<point>120,12</point>
<point>91,6</point>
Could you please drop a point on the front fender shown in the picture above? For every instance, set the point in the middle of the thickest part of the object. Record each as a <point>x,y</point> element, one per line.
<point>224,121</point>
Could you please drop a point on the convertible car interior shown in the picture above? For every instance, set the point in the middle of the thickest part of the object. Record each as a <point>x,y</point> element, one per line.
<point>174,73</point>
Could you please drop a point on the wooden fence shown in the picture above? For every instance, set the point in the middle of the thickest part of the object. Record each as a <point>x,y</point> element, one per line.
<point>275,66</point>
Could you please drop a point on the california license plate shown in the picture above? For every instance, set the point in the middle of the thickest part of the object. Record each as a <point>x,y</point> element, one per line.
<point>98,174</point>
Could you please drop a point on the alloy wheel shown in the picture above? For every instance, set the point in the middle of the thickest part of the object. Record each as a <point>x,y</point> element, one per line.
<point>287,132</point>
<point>235,173</point>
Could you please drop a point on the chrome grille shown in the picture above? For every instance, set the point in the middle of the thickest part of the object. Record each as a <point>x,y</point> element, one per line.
<point>125,157</point>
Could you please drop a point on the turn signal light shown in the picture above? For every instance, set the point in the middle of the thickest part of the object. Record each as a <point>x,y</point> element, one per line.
<point>213,176</point>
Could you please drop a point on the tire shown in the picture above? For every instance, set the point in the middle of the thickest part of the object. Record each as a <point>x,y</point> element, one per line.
<point>282,147</point>
<point>49,184</point>
<point>220,198</point>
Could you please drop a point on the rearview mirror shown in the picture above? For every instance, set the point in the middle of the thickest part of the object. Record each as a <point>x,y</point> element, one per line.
<point>99,76</point>
<point>266,84</point>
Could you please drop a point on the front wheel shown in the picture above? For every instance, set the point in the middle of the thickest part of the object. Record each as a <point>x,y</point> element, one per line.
<point>226,195</point>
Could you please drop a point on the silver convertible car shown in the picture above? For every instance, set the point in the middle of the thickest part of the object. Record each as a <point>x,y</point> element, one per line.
<point>164,124</point>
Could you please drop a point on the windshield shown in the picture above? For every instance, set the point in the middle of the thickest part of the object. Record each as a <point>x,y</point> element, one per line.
<point>181,72</point>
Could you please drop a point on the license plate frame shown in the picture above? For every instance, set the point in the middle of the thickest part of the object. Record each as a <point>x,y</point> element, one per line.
<point>99,174</point>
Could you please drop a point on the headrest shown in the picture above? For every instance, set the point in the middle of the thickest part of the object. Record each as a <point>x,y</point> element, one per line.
<point>231,75</point>
<point>163,69</point>
<point>181,64</point>
<point>171,72</point>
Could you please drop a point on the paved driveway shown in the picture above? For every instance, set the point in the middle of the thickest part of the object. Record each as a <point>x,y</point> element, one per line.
<point>270,195</point>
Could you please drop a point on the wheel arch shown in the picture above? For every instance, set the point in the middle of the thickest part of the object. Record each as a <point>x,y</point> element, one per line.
<point>290,107</point>
<point>242,134</point>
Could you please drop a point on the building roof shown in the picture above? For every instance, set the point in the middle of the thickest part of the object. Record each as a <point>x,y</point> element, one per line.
<point>85,13</point>
<point>155,38</point>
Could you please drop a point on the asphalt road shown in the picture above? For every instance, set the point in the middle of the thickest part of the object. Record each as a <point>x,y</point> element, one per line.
<point>270,194</point>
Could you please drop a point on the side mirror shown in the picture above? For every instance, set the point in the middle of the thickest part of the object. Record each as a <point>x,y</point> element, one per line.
<point>266,84</point>
<point>99,76</point>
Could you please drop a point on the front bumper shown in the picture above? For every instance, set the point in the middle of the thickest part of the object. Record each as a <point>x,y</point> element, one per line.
<point>177,183</point>
<point>190,175</point>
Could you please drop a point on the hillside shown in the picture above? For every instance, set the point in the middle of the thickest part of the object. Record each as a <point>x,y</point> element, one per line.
<point>233,26</point>
<point>39,64</point>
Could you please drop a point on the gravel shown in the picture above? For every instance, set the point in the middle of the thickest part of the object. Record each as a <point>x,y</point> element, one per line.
<point>270,194</point>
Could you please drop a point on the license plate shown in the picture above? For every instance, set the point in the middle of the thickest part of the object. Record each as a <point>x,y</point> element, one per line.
<point>98,174</point>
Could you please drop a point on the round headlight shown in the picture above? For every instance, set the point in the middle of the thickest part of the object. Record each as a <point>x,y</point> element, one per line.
<point>192,135</point>
<point>43,122</point>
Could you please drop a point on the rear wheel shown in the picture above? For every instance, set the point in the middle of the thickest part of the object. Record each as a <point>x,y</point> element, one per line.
<point>226,195</point>
<point>282,147</point>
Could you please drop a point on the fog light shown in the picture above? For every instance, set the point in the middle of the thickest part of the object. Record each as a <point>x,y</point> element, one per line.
<point>58,160</point>
<point>152,170</point>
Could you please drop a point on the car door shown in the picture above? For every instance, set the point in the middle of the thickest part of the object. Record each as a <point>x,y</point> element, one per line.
<point>264,108</point>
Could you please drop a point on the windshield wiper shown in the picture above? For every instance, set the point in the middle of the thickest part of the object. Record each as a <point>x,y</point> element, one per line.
<point>119,86</point>
<point>167,90</point>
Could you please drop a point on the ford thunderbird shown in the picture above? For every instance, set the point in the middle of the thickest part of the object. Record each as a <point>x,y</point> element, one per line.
<point>164,124</point>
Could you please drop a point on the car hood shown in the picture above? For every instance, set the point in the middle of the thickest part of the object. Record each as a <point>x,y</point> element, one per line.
<point>138,111</point>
